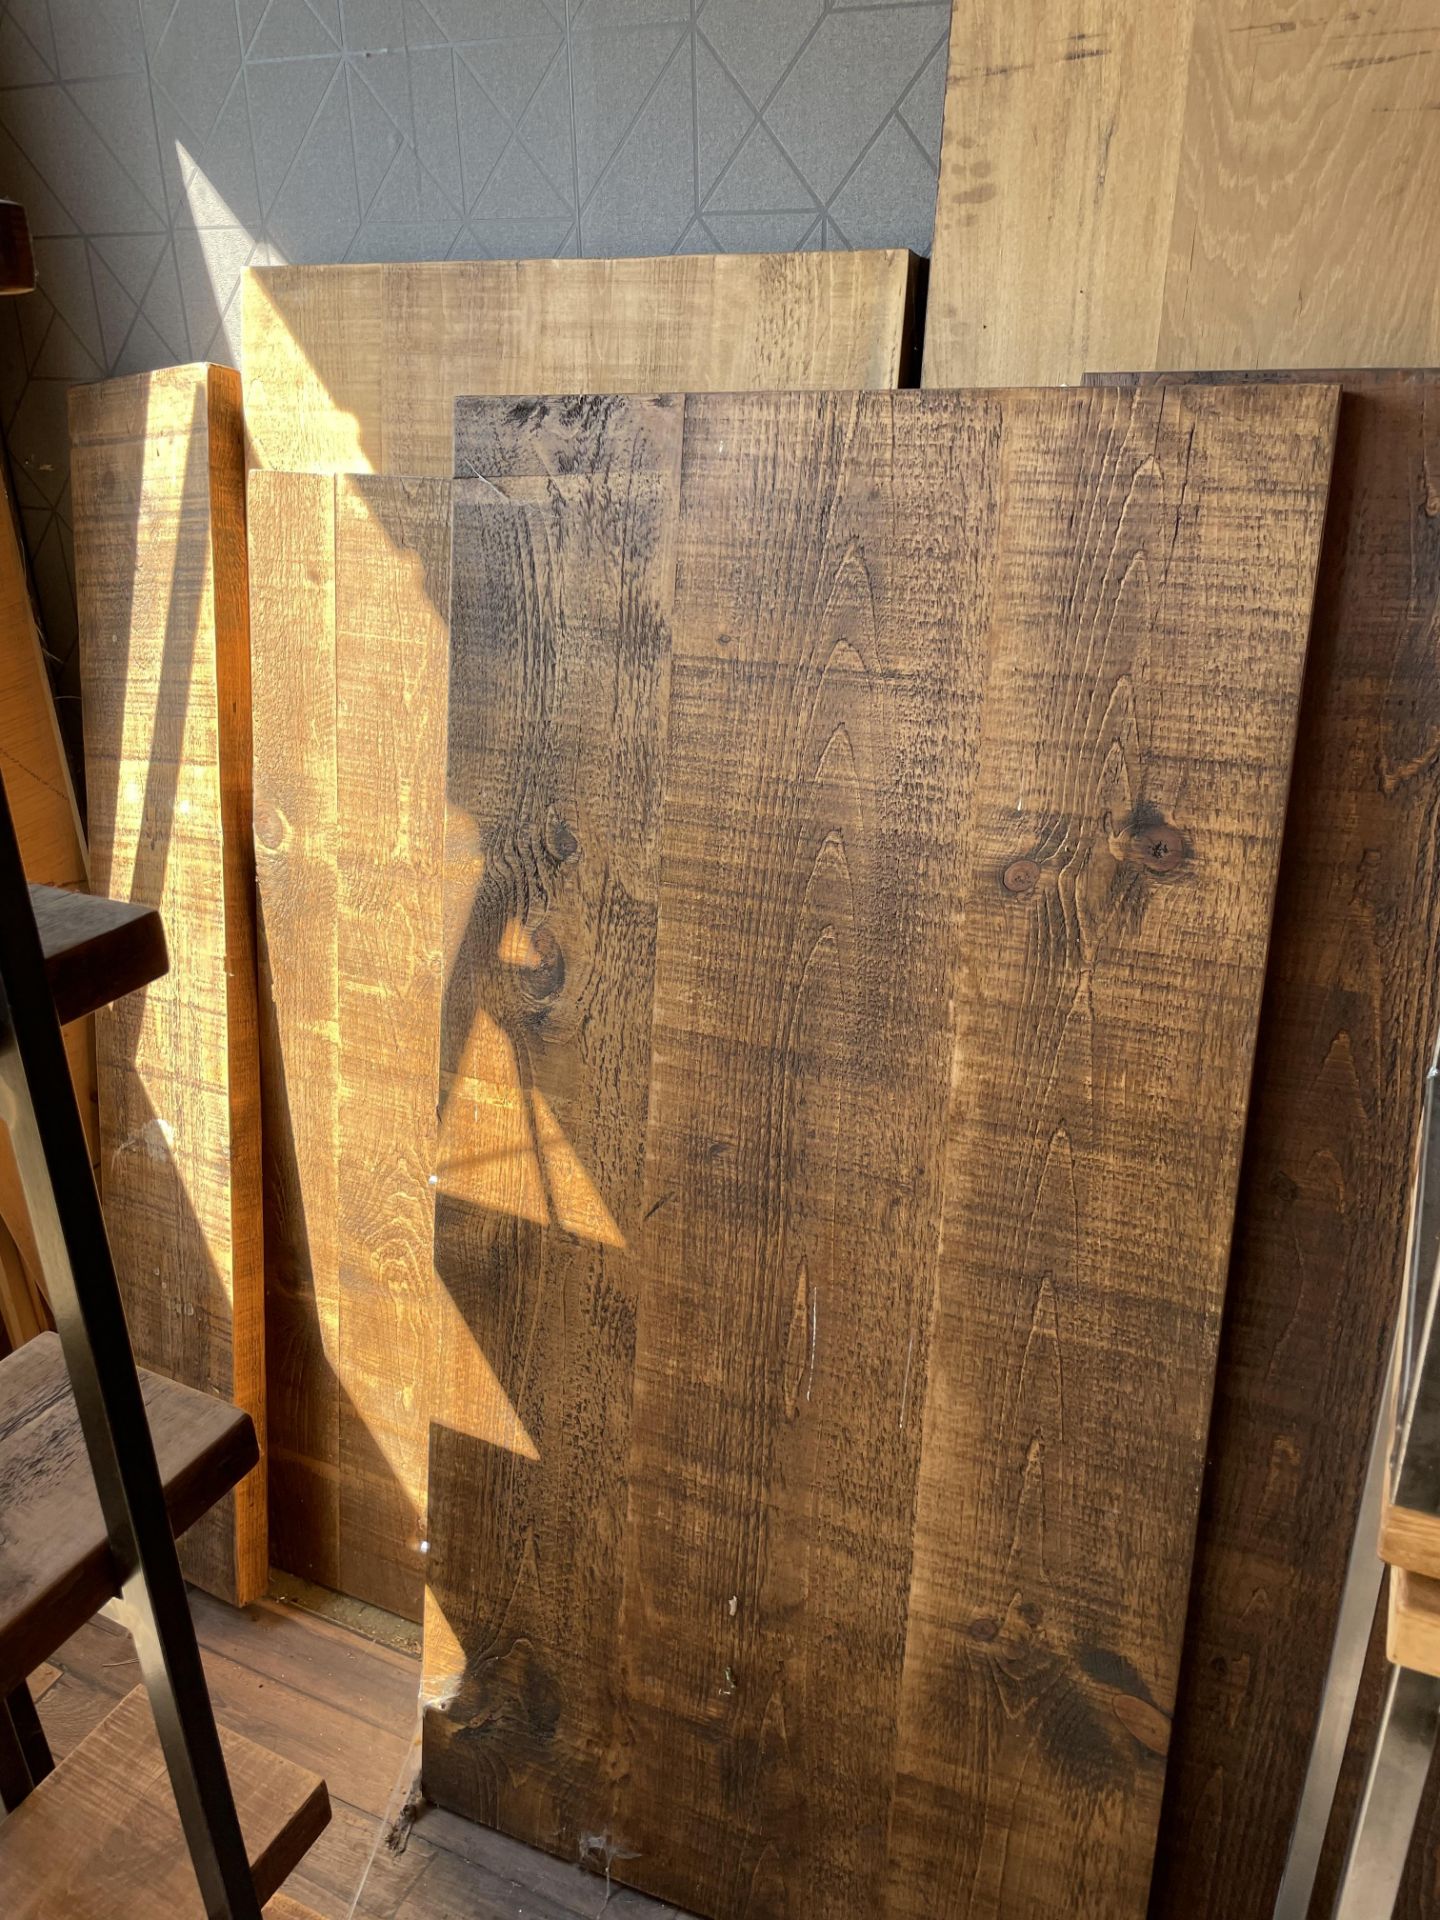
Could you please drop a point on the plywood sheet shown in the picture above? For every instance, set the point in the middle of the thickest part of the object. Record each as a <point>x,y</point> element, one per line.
<point>1202,183</point>
<point>1351,1009</point>
<point>47,826</point>
<point>158,481</point>
<point>859,948</point>
<point>348,369</point>
<point>356,369</point>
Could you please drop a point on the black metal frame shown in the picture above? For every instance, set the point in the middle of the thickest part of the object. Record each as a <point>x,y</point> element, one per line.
<point>37,1100</point>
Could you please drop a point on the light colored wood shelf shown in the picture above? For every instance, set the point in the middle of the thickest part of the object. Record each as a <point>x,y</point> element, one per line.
<point>1411,1540</point>
<point>55,1564</point>
<point>1413,1631</point>
<point>100,1839</point>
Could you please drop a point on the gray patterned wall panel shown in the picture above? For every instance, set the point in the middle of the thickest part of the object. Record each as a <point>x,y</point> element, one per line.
<point>160,146</point>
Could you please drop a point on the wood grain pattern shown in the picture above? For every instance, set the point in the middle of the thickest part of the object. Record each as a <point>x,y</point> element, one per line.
<point>95,950</point>
<point>560,673</point>
<point>350,655</point>
<point>291,533</point>
<point>975,751</point>
<point>52,846</point>
<point>101,1839</point>
<point>55,1564</point>
<point>392,585</point>
<point>1351,1008</point>
<point>317,1694</point>
<point>1413,1634</point>
<point>1205,183</point>
<point>158,482</point>
<point>355,369</point>
<point>1410,1539</point>
<point>1057,183</point>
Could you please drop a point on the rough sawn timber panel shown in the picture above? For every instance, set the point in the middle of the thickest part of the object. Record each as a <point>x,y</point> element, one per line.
<point>353,368</point>
<point>970,774</point>
<point>556,763</point>
<point>1352,1002</point>
<point>159,484</point>
<point>47,826</point>
<point>1203,183</point>
<point>349,581</point>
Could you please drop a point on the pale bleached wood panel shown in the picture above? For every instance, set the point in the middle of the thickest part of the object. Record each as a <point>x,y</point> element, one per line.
<point>1203,183</point>
<point>1057,188</point>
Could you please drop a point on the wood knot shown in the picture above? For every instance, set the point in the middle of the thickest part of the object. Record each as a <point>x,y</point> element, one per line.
<point>560,841</point>
<point>1149,841</point>
<point>543,978</point>
<point>269,826</point>
<point>1158,849</point>
<point>1021,877</point>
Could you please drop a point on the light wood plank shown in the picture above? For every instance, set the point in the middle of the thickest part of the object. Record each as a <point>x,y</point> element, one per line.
<point>398,1369</point>
<point>100,1839</point>
<point>1202,183</point>
<point>1057,183</point>
<point>1305,222</point>
<point>357,368</point>
<point>1413,1634</point>
<point>158,477</point>
<point>291,529</point>
<point>976,750</point>
<point>38,788</point>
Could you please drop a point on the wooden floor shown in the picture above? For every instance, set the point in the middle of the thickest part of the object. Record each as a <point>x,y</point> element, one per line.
<point>345,1705</point>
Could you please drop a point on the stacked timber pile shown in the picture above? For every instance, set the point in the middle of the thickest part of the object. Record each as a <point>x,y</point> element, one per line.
<point>769,891</point>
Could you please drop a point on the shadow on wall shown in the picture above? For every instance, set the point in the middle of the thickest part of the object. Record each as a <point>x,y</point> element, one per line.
<point>158,154</point>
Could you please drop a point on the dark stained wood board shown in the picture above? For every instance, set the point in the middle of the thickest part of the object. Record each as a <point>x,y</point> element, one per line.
<point>828,1552</point>
<point>350,368</point>
<point>159,483</point>
<point>1352,1002</point>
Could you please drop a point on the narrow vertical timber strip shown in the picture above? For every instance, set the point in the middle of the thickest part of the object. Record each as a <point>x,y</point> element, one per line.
<point>1352,1004</point>
<point>292,587</point>
<point>392,588</point>
<point>829,666</point>
<point>1149,636</point>
<point>159,525</point>
<point>559,691</point>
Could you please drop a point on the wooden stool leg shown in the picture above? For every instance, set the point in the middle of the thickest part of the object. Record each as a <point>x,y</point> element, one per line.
<point>31,1735</point>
